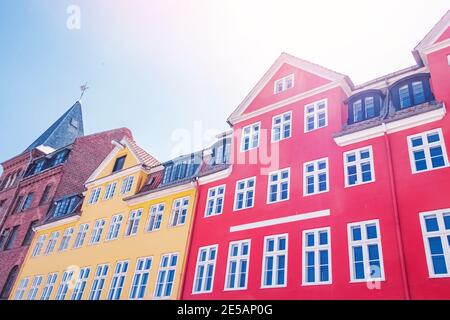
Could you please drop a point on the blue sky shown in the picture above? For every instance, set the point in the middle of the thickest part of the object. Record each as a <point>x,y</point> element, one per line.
<point>170,68</point>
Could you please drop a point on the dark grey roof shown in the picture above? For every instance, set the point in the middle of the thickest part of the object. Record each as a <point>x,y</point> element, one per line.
<point>64,131</point>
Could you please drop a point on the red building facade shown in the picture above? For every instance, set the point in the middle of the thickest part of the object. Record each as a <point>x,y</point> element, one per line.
<point>335,191</point>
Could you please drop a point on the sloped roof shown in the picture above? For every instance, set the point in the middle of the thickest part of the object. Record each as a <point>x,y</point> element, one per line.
<point>142,155</point>
<point>62,132</point>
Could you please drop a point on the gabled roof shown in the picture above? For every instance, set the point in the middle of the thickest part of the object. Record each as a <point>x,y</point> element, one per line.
<point>142,155</point>
<point>285,58</point>
<point>64,131</point>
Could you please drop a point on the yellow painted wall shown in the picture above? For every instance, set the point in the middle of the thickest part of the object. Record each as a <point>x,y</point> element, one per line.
<point>143,244</point>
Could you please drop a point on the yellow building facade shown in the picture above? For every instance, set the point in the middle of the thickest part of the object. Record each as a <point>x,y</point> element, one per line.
<point>128,241</point>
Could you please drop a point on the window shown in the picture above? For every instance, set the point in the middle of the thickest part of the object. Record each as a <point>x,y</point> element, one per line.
<point>30,233</point>
<point>35,285</point>
<point>18,204</point>
<point>155,217</point>
<point>110,190</point>
<point>366,258</point>
<point>118,165</point>
<point>140,279</point>
<point>418,92</point>
<point>64,285</point>
<point>275,261</point>
<point>81,235</point>
<point>114,227</point>
<point>237,265</point>
<point>12,238</point>
<point>316,115</point>
<point>51,242</point>
<point>46,194</point>
<point>316,256</point>
<point>278,186</point>
<point>28,201</point>
<point>245,193</point>
<point>358,166</point>
<point>436,237</point>
<point>315,177</point>
<point>427,151</point>
<point>66,205</point>
<point>250,137</point>
<point>38,246</point>
<point>97,231</point>
<point>179,212</point>
<point>412,91</point>
<point>80,284</point>
<point>369,107</point>
<point>95,194</point>
<point>59,158</point>
<point>166,275</point>
<point>99,282</point>
<point>39,166</point>
<point>49,285</point>
<point>182,168</point>
<point>127,184</point>
<point>133,222</point>
<point>4,235</point>
<point>204,272</point>
<point>357,111</point>
<point>20,291</point>
<point>405,100</point>
<point>283,84</point>
<point>281,126</point>
<point>364,105</point>
<point>221,152</point>
<point>117,281</point>
<point>65,239</point>
<point>9,283</point>
<point>214,203</point>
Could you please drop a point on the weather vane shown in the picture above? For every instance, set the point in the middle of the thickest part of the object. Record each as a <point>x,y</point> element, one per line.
<point>83,88</point>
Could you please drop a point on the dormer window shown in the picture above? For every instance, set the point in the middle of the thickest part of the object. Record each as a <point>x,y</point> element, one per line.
<point>412,91</point>
<point>284,84</point>
<point>364,105</point>
<point>118,165</point>
<point>59,158</point>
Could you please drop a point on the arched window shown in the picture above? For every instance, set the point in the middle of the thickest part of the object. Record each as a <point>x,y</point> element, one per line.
<point>9,283</point>
<point>411,91</point>
<point>364,105</point>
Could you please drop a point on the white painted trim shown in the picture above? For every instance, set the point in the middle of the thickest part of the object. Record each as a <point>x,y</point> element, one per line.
<point>208,261</point>
<point>215,198</point>
<point>316,173</point>
<point>57,223</point>
<point>357,163</point>
<point>315,114</point>
<point>238,258</point>
<point>281,125</point>
<point>282,220</point>
<point>115,176</point>
<point>250,136</point>
<point>434,34</point>
<point>278,183</point>
<point>245,180</point>
<point>275,253</point>
<point>391,127</point>
<point>316,248</point>
<point>284,81</point>
<point>159,194</point>
<point>223,174</point>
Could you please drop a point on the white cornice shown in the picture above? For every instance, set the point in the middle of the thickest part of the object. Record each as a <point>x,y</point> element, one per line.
<point>215,176</point>
<point>57,223</point>
<point>133,200</point>
<point>391,127</point>
<point>115,176</point>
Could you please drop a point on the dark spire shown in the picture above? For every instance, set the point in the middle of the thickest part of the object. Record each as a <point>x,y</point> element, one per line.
<point>64,131</point>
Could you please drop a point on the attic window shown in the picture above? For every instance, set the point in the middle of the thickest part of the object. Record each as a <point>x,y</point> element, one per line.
<point>284,84</point>
<point>119,164</point>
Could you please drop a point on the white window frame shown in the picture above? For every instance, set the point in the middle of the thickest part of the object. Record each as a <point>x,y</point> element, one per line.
<point>110,191</point>
<point>179,212</point>
<point>39,245</point>
<point>81,235</point>
<point>282,125</point>
<point>133,222</point>
<point>315,114</point>
<point>127,184</point>
<point>52,240</point>
<point>315,173</point>
<point>21,288</point>
<point>275,254</point>
<point>442,233</point>
<point>95,195</point>
<point>316,248</point>
<point>97,231</point>
<point>278,183</point>
<point>205,264</point>
<point>155,217</point>
<point>114,227</point>
<point>98,283</point>
<point>34,288</point>
<point>244,191</point>
<point>163,279</point>
<point>238,259</point>
<point>215,199</point>
<point>49,286</point>
<point>139,282</point>
<point>358,163</point>
<point>364,243</point>
<point>426,148</point>
<point>67,236</point>
<point>80,283</point>
<point>115,289</point>
<point>64,285</point>
<point>252,133</point>
<point>284,83</point>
